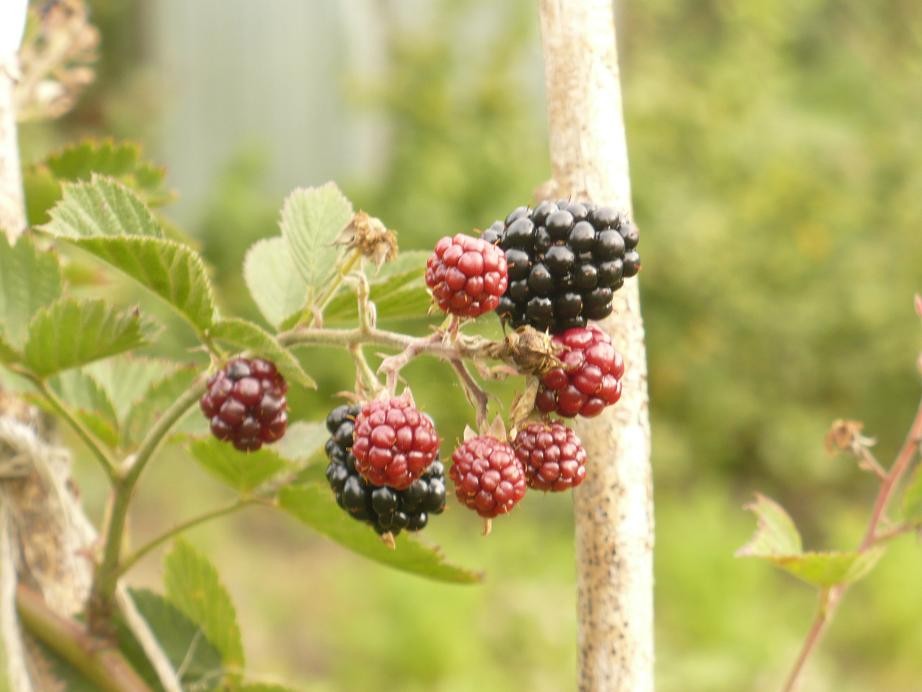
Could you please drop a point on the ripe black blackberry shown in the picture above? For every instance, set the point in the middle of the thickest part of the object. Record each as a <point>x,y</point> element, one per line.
<point>565,261</point>
<point>385,509</point>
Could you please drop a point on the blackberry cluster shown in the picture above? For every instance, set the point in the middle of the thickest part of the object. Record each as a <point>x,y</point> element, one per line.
<point>385,509</point>
<point>565,261</point>
<point>245,403</point>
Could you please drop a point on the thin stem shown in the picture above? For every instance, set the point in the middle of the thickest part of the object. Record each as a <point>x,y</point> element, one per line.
<point>366,380</point>
<point>477,397</point>
<point>896,531</point>
<point>141,552</point>
<point>317,306</point>
<point>903,460</point>
<point>107,572</point>
<point>833,596</point>
<point>100,662</point>
<point>827,603</point>
<point>106,460</point>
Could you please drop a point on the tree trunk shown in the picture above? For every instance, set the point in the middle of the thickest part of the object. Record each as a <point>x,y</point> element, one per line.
<point>614,505</point>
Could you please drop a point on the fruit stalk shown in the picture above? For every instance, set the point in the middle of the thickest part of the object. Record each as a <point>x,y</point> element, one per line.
<point>613,507</point>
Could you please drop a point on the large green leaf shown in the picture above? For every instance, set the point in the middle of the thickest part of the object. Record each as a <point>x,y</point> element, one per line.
<point>302,441</point>
<point>108,220</point>
<point>172,271</point>
<point>778,541</point>
<point>193,586</point>
<point>183,642</point>
<point>70,333</point>
<point>398,291</point>
<point>121,160</point>
<point>312,219</point>
<point>101,207</point>
<point>127,378</point>
<point>313,504</point>
<point>29,280</point>
<point>258,341</point>
<point>8,354</point>
<point>277,287</point>
<point>243,471</point>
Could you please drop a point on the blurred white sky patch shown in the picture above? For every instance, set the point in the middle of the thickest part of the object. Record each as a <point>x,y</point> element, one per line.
<point>12,24</point>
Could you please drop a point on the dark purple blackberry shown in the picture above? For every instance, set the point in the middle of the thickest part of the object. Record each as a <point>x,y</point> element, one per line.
<point>565,261</point>
<point>385,509</point>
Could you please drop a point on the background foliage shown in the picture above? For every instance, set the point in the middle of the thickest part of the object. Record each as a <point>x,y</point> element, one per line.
<point>776,175</point>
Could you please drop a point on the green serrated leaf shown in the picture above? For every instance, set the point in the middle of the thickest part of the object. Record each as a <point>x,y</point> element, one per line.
<point>243,471</point>
<point>156,399</point>
<point>302,441</point>
<point>193,586</point>
<point>313,504</point>
<point>277,287</point>
<point>255,339</point>
<point>183,642</point>
<point>70,333</point>
<point>398,291</point>
<point>311,221</point>
<point>102,207</point>
<point>29,279</point>
<point>170,270</point>
<point>126,378</point>
<point>90,402</point>
<point>776,533</point>
<point>778,541</point>
<point>912,496</point>
<point>81,160</point>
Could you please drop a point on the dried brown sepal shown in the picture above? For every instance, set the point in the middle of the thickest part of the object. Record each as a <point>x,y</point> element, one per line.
<point>487,527</point>
<point>469,433</point>
<point>370,237</point>
<point>55,60</point>
<point>523,405</point>
<point>388,540</point>
<point>845,436</point>
<point>533,352</point>
<point>496,428</point>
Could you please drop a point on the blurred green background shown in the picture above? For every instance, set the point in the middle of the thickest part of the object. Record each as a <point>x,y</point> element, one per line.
<point>777,176</point>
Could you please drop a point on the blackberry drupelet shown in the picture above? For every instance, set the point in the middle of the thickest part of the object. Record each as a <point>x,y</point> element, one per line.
<point>565,260</point>
<point>385,509</point>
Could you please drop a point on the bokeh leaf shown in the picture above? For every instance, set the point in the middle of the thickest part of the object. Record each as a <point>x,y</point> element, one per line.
<point>243,471</point>
<point>312,219</point>
<point>8,354</point>
<point>184,643</point>
<point>90,402</point>
<point>157,398</point>
<point>101,207</point>
<point>254,338</point>
<point>193,586</point>
<point>778,541</point>
<point>302,441</point>
<point>277,287</point>
<point>313,504</point>
<point>29,279</point>
<point>70,333</point>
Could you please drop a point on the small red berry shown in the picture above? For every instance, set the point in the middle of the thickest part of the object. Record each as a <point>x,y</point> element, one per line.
<point>590,378</point>
<point>487,475</point>
<point>552,455</point>
<point>394,443</point>
<point>245,403</point>
<point>467,275</point>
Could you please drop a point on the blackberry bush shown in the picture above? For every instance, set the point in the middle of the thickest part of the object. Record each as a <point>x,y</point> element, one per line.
<point>385,509</point>
<point>565,261</point>
<point>245,403</point>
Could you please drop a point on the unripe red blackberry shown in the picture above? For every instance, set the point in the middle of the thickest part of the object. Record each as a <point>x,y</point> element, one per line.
<point>394,442</point>
<point>565,260</point>
<point>467,275</point>
<point>590,378</point>
<point>488,477</point>
<point>385,509</point>
<point>245,403</point>
<point>552,455</point>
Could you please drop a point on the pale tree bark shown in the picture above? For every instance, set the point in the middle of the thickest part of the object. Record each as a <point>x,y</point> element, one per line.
<point>614,505</point>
